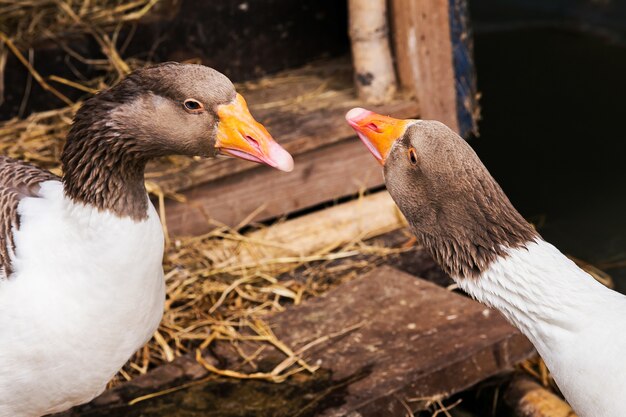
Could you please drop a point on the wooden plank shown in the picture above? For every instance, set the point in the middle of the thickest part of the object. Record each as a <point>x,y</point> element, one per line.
<point>423,48</point>
<point>467,107</point>
<point>418,340</point>
<point>410,339</point>
<point>312,234</point>
<point>303,109</point>
<point>319,175</point>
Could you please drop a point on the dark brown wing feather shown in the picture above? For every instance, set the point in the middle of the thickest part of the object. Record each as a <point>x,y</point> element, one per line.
<point>17,180</point>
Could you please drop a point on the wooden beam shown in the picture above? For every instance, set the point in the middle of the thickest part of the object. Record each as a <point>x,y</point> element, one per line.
<point>424,56</point>
<point>319,176</point>
<point>312,234</point>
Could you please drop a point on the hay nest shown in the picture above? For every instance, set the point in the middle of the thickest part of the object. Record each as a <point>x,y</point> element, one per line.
<point>213,295</point>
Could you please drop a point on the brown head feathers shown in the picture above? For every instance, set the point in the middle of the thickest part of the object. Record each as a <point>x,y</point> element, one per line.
<point>454,206</point>
<point>117,131</point>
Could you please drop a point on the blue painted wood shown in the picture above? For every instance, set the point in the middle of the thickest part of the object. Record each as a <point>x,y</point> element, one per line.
<point>464,73</point>
<point>608,16</point>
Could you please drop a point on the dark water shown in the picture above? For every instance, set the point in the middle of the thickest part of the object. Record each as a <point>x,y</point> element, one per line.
<point>553,135</point>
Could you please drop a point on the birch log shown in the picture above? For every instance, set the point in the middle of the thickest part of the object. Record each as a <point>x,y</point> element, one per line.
<point>529,399</point>
<point>374,74</point>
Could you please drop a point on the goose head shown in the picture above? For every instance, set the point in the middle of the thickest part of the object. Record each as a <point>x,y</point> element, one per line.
<point>176,109</point>
<point>166,109</point>
<point>453,205</point>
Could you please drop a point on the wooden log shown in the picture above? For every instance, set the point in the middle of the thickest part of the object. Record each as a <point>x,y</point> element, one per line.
<point>529,399</point>
<point>424,56</point>
<point>373,65</point>
<point>312,234</point>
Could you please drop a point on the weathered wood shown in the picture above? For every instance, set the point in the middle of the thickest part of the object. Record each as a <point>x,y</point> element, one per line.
<point>319,232</point>
<point>320,175</point>
<point>467,96</point>
<point>374,73</point>
<point>417,341</point>
<point>529,399</point>
<point>363,218</point>
<point>412,340</point>
<point>423,49</point>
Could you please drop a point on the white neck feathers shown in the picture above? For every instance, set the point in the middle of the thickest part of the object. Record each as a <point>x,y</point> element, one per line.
<point>575,323</point>
<point>539,290</point>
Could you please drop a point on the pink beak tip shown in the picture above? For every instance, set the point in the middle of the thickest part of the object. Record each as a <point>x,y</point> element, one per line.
<point>281,159</point>
<point>356,114</point>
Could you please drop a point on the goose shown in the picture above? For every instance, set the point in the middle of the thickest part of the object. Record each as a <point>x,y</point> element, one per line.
<point>460,214</point>
<point>81,281</point>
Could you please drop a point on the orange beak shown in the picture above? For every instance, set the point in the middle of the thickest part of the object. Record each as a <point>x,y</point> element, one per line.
<point>377,132</point>
<point>239,135</point>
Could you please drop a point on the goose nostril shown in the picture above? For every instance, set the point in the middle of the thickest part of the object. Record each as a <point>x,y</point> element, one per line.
<point>252,141</point>
<point>373,126</point>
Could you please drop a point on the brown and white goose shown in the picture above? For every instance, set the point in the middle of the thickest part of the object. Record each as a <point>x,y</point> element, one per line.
<point>81,282</point>
<point>462,216</point>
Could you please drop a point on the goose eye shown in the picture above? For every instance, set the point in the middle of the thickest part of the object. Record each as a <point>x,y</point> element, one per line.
<point>193,105</point>
<point>413,156</point>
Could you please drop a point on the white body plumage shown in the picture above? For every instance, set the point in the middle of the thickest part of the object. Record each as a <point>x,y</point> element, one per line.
<point>86,292</point>
<point>576,324</point>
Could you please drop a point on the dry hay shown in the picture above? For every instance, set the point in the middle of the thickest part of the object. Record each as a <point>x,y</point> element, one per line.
<point>40,137</point>
<point>212,296</point>
<point>27,22</point>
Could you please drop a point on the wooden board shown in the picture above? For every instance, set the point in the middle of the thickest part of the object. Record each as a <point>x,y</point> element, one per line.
<point>314,233</point>
<point>423,50</point>
<point>413,340</point>
<point>320,175</point>
<point>434,55</point>
<point>417,340</point>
